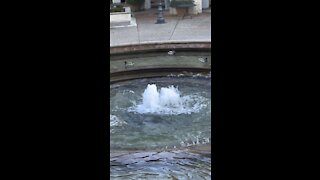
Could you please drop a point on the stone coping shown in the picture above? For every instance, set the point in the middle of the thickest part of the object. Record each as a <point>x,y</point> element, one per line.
<point>161,70</point>
<point>158,45</point>
<point>116,13</point>
<point>156,72</point>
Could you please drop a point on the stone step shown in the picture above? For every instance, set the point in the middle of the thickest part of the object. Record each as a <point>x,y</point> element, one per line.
<point>125,23</point>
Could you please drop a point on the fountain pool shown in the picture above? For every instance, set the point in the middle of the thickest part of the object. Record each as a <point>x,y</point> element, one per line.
<point>160,127</point>
<point>146,117</point>
<point>156,129</point>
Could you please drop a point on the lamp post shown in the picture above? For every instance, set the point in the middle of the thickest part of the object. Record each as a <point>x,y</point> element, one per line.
<point>160,19</point>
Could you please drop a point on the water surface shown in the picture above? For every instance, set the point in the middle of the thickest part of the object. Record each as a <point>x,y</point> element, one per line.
<point>159,144</point>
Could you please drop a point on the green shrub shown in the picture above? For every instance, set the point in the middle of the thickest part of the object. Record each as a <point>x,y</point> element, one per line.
<point>117,8</point>
<point>135,2</point>
<point>176,3</point>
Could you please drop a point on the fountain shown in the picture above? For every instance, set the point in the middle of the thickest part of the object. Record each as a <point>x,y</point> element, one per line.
<point>166,101</point>
<point>160,124</point>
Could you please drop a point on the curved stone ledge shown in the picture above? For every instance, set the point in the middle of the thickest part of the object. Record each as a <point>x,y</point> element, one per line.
<point>158,71</point>
<point>162,45</point>
<point>154,72</point>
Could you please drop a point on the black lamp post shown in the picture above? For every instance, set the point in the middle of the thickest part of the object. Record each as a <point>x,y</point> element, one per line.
<point>160,19</point>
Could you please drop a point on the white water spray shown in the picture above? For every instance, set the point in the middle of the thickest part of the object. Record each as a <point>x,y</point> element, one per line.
<point>115,121</point>
<point>167,101</point>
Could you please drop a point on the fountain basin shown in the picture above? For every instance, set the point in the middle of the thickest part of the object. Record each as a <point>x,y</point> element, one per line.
<point>132,129</point>
<point>171,139</point>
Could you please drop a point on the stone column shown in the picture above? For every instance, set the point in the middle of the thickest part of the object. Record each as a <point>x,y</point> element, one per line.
<point>147,4</point>
<point>205,4</point>
<point>198,8</point>
<point>166,4</point>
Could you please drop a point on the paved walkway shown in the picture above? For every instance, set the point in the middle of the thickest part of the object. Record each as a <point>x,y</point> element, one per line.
<point>175,29</point>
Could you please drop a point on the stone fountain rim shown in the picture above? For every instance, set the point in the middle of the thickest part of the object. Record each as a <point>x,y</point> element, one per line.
<point>159,45</point>
<point>154,73</point>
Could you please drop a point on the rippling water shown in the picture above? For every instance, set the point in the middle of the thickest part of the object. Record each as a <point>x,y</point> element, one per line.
<point>161,165</point>
<point>149,145</point>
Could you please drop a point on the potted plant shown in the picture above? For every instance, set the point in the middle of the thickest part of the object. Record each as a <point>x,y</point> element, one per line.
<point>136,5</point>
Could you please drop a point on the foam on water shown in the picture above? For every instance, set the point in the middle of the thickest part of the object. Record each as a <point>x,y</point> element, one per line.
<point>115,121</point>
<point>167,101</point>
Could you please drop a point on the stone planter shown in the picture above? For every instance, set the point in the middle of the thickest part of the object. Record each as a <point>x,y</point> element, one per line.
<point>180,11</point>
<point>197,9</point>
<point>173,11</point>
<point>121,18</point>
